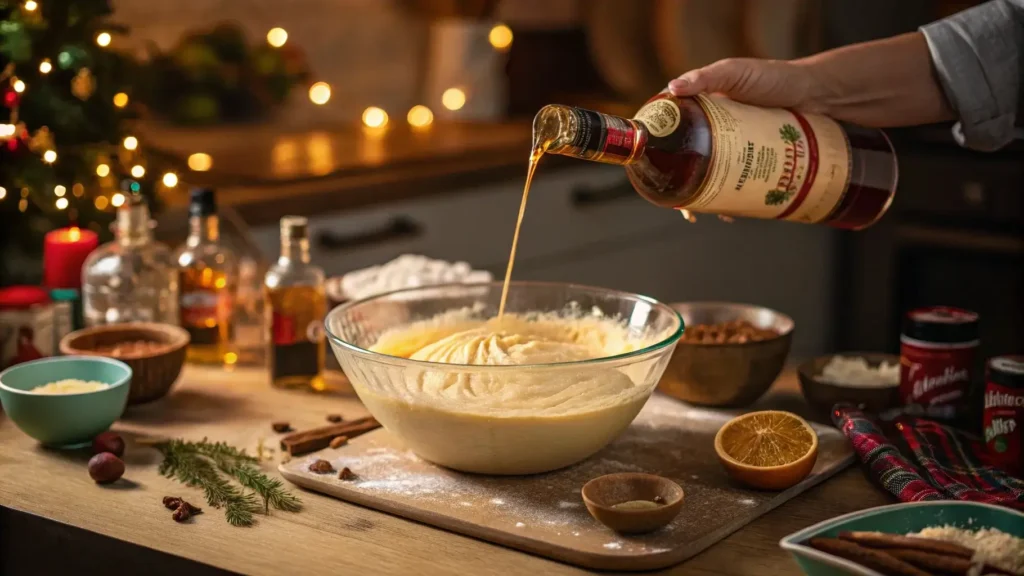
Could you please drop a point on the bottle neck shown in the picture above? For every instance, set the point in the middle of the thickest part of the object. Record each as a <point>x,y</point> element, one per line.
<point>132,227</point>
<point>203,230</point>
<point>294,250</point>
<point>589,135</point>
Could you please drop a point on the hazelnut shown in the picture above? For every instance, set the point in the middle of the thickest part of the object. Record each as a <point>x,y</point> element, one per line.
<point>172,502</point>
<point>108,442</point>
<point>321,467</point>
<point>346,474</point>
<point>281,427</point>
<point>339,441</point>
<point>334,418</point>
<point>105,468</point>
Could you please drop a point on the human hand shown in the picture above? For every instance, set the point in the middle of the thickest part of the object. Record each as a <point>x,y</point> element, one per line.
<point>769,83</point>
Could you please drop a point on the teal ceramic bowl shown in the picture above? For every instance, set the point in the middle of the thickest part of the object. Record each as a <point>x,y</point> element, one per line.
<point>895,519</point>
<point>65,420</point>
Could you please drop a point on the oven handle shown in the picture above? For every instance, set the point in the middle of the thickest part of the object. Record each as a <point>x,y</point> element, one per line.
<point>397,228</point>
<point>971,240</point>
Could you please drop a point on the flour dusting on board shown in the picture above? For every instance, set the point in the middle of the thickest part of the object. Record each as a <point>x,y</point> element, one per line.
<point>544,513</point>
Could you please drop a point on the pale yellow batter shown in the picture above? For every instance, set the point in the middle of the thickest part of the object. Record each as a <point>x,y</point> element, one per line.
<point>523,413</point>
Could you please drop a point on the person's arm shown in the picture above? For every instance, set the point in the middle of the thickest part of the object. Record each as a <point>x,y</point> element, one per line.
<point>892,82</point>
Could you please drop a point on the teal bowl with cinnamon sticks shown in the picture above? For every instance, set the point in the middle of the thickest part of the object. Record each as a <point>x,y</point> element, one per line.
<point>885,526</point>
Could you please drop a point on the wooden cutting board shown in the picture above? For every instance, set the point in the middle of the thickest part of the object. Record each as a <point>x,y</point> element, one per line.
<point>544,514</point>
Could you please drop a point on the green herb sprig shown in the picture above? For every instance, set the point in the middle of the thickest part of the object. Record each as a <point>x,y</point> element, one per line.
<point>201,464</point>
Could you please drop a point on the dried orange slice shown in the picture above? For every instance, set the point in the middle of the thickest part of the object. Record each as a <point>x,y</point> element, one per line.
<point>772,449</point>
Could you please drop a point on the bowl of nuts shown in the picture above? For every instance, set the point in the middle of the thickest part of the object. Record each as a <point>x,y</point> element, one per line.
<point>729,355</point>
<point>155,352</point>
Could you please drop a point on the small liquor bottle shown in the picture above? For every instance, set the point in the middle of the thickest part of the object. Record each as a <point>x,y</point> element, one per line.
<point>133,278</point>
<point>207,272</point>
<point>295,306</point>
<point>710,154</point>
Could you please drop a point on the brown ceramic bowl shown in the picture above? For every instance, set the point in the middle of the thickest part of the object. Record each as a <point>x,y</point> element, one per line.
<point>603,493</point>
<point>727,374</point>
<point>154,370</point>
<point>822,396</point>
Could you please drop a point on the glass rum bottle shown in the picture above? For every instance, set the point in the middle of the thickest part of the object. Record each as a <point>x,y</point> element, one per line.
<point>296,303</point>
<point>207,279</point>
<point>713,155</point>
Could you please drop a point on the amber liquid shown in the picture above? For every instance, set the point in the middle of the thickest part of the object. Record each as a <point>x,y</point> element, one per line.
<point>297,347</point>
<point>539,147</point>
<point>209,330</point>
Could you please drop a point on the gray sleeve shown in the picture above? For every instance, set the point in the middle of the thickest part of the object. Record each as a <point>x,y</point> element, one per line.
<point>979,57</point>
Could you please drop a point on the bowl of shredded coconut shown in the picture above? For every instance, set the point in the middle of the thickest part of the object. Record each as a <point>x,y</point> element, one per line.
<point>65,401</point>
<point>869,380</point>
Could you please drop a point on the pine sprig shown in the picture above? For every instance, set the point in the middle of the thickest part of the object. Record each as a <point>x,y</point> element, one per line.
<point>196,464</point>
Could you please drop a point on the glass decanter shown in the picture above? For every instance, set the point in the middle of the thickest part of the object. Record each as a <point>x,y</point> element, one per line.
<point>132,278</point>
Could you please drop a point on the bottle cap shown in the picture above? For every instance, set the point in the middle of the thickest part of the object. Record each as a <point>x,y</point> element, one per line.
<point>293,228</point>
<point>941,325</point>
<point>1007,371</point>
<point>202,202</point>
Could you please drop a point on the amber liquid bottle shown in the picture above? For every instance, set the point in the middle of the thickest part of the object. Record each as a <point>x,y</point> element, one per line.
<point>712,155</point>
<point>295,305</point>
<point>207,278</point>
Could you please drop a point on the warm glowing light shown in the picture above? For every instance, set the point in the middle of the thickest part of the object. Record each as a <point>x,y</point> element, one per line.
<point>103,39</point>
<point>78,190</point>
<point>45,66</point>
<point>22,205</point>
<point>31,5</point>
<point>101,202</point>
<point>117,199</point>
<point>200,162</point>
<point>19,86</point>
<point>120,99</point>
<point>320,93</point>
<point>138,171</point>
<point>131,143</point>
<point>276,37</point>
<point>3,192</point>
<point>419,116</point>
<point>170,179</point>
<point>230,358</point>
<point>220,282</point>
<point>453,98</point>
<point>7,130</point>
<point>375,117</point>
<point>103,170</point>
<point>500,37</point>
<point>62,203</point>
<point>59,190</point>
<point>74,234</point>
<point>49,156</point>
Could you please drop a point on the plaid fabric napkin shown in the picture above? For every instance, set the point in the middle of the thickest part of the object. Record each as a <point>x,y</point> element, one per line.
<point>917,459</point>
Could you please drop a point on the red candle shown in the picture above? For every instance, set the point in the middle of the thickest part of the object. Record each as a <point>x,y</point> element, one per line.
<point>64,252</point>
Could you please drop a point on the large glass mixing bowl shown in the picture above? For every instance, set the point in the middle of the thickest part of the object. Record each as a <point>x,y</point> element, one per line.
<point>504,419</point>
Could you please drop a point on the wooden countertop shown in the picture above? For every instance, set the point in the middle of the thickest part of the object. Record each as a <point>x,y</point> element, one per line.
<point>49,504</point>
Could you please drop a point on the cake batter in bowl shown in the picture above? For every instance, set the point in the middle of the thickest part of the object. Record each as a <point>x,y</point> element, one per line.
<point>550,383</point>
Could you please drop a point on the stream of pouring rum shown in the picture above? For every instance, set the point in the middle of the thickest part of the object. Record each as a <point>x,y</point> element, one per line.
<point>538,150</point>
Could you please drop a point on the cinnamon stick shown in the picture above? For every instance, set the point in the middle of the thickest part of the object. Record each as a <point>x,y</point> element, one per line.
<point>932,561</point>
<point>319,438</point>
<point>883,540</point>
<point>874,559</point>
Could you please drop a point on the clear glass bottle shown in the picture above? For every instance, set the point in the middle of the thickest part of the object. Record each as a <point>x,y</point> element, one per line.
<point>132,278</point>
<point>249,344</point>
<point>710,154</point>
<point>296,305</point>
<point>207,278</point>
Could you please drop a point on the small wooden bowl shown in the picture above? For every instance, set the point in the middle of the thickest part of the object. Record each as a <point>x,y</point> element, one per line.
<point>822,396</point>
<point>153,371</point>
<point>604,492</point>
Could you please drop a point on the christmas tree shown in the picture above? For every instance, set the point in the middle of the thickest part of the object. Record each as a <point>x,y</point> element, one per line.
<point>67,156</point>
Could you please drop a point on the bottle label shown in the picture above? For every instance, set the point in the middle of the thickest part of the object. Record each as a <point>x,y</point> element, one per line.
<point>199,307</point>
<point>604,138</point>
<point>1002,422</point>
<point>661,117</point>
<point>935,376</point>
<point>285,330</point>
<point>772,163</point>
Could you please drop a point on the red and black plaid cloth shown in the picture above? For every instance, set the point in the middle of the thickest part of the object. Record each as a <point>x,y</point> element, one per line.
<point>917,459</point>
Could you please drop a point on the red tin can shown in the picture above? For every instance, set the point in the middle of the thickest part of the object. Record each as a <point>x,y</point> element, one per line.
<point>1003,416</point>
<point>937,350</point>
